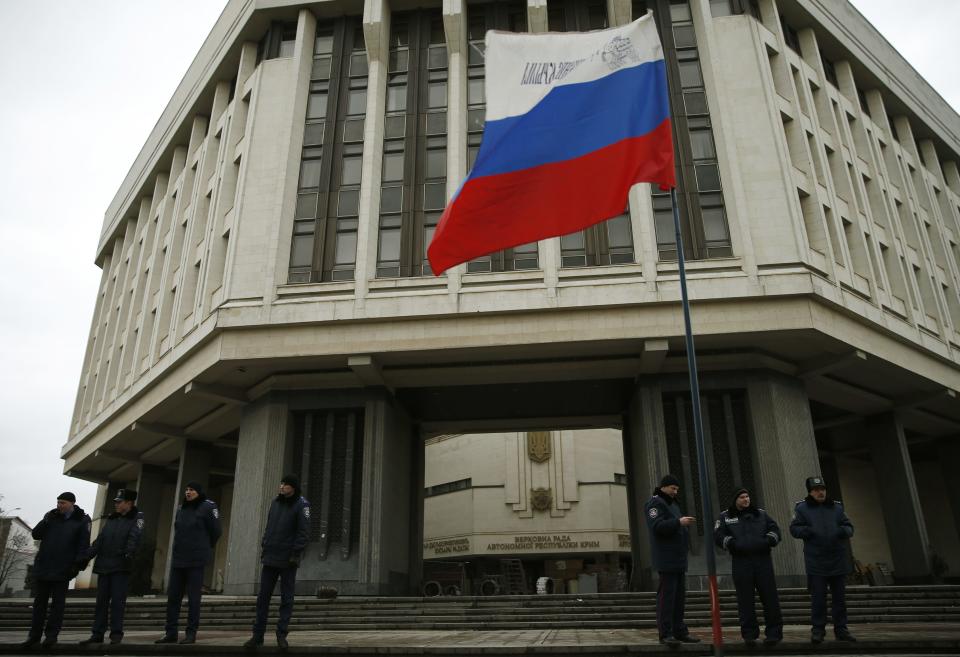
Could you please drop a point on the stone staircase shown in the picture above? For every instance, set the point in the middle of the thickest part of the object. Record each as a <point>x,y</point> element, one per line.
<point>894,604</point>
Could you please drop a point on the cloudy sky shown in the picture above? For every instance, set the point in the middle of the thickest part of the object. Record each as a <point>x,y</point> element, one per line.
<point>81,86</point>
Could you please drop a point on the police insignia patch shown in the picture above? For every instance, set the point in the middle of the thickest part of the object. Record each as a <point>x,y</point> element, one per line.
<point>716,525</point>
<point>306,512</point>
<point>140,523</point>
<point>216,513</point>
<point>653,513</point>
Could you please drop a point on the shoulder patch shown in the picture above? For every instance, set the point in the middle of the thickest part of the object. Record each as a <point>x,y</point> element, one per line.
<point>139,523</point>
<point>306,512</point>
<point>716,525</point>
<point>653,512</point>
<point>216,512</point>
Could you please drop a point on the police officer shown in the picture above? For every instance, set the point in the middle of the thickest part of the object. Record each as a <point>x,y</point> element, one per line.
<point>114,550</point>
<point>825,530</point>
<point>669,543</point>
<point>196,530</point>
<point>284,540</point>
<point>749,533</point>
<point>64,535</point>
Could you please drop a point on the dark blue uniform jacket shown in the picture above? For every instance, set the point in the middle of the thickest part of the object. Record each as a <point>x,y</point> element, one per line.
<point>196,530</point>
<point>63,545</point>
<point>747,533</point>
<point>117,543</point>
<point>669,540</point>
<point>826,531</point>
<point>287,532</point>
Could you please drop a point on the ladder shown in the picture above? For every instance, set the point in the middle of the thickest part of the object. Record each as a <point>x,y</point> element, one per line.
<point>514,580</point>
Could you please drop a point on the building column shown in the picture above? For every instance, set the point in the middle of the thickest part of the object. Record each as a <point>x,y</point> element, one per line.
<point>385,511</point>
<point>949,453</point>
<point>193,466</point>
<point>87,579</point>
<point>150,498</point>
<point>645,462</point>
<point>784,455</point>
<point>898,495</point>
<point>260,457</point>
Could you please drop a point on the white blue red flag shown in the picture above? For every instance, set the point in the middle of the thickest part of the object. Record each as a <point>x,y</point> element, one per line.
<point>573,121</point>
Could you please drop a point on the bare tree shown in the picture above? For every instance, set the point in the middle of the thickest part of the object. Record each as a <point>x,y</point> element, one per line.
<point>15,546</point>
<point>15,557</point>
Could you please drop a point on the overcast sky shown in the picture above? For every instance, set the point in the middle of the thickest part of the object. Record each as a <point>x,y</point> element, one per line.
<point>81,86</point>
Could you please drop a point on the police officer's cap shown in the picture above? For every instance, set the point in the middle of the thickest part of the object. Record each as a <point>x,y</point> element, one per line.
<point>815,482</point>
<point>669,480</point>
<point>126,495</point>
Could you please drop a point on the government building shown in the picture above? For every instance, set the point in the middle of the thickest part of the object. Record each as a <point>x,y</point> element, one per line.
<point>266,305</point>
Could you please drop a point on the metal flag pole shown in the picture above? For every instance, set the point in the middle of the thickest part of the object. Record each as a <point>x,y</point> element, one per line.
<point>706,504</point>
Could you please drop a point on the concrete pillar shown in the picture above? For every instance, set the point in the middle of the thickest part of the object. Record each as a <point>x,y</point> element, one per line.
<point>87,579</point>
<point>909,544</point>
<point>949,452</point>
<point>193,465</point>
<point>417,468</point>
<point>150,488</point>
<point>385,515</point>
<point>784,455</point>
<point>645,461</point>
<point>261,446</point>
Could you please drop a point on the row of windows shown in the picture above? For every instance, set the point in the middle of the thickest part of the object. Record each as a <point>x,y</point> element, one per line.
<point>414,170</point>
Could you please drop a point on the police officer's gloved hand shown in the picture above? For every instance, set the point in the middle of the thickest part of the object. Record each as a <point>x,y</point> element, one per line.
<point>732,546</point>
<point>295,558</point>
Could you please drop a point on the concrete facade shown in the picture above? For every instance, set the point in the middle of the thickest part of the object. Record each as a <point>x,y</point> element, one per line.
<point>824,284</point>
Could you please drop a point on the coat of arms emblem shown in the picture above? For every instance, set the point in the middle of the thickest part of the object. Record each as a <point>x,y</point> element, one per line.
<point>541,499</point>
<point>538,446</point>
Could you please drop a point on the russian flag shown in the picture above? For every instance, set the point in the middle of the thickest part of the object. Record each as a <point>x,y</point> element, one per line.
<point>573,121</point>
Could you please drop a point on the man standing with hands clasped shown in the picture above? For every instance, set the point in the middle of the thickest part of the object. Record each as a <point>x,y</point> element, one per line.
<point>196,530</point>
<point>64,535</point>
<point>669,544</point>
<point>284,540</point>
<point>114,550</point>
<point>825,530</point>
<point>749,533</point>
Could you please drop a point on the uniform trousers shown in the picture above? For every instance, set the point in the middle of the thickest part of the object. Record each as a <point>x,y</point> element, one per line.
<point>112,596</point>
<point>755,574</point>
<point>268,580</point>
<point>189,580</point>
<point>671,599</point>
<point>45,590</point>
<point>817,584</point>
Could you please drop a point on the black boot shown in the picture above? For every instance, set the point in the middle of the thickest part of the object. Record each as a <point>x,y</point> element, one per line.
<point>254,642</point>
<point>282,641</point>
<point>688,638</point>
<point>91,640</point>
<point>167,638</point>
<point>30,642</point>
<point>116,639</point>
<point>843,634</point>
<point>49,642</point>
<point>188,638</point>
<point>817,635</point>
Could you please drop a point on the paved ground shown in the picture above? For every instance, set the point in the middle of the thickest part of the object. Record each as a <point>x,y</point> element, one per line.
<point>877,639</point>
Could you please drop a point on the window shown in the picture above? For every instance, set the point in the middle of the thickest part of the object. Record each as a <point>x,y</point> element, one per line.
<point>278,41</point>
<point>510,16</point>
<point>326,214</point>
<point>790,36</point>
<point>449,487</point>
<point>414,176</point>
<point>608,242</point>
<point>699,190</point>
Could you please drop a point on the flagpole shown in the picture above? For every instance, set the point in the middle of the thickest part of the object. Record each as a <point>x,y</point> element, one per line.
<point>706,503</point>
